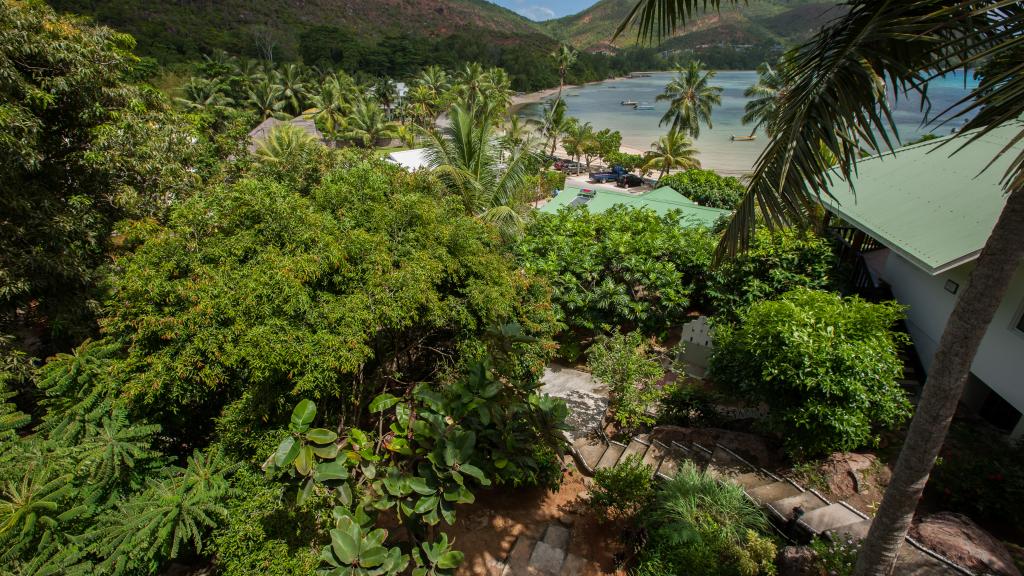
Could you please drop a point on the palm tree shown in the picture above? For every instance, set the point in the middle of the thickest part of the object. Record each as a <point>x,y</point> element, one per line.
<point>367,124</point>
<point>292,82</point>
<point>332,106</point>
<point>565,57</point>
<point>471,85</point>
<point>691,98</point>
<point>555,123</point>
<point>576,136</point>
<point>385,92</point>
<point>423,105</point>
<point>282,142</point>
<point>205,95</point>
<point>435,79</point>
<point>267,99</point>
<point>674,150</point>
<point>836,101</point>
<point>764,94</point>
<point>468,159</point>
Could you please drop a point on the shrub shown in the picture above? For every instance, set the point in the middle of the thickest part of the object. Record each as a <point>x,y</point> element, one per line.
<point>706,188</point>
<point>622,362</point>
<point>628,161</point>
<point>624,266</point>
<point>623,490</point>
<point>980,475</point>
<point>775,263</point>
<point>835,558</point>
<point>826,366</point>
<point>701,527</point>
<point>687,405</point>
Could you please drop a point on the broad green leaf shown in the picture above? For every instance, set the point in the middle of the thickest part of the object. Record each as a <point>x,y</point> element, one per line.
<point>345,494</point>
<point>304,461</point>
<point>475,472</point>
<point>328,452</point>
<point>420,486</point>
<point>330,471</point>
<point>375,538</point>
<point>302,416</point>
<point>287,450</point>
<point>426,504</point>
<point>304,492</point>
<point>382,402</point>
<point>450,560</point>
<point>344,547</point>
<point>321,436</point>
<point>372,557</point>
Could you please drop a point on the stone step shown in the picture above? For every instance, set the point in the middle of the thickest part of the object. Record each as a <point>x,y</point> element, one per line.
<point>518,561</point>
<point>637,447</point>
<point>855,531</point>
<point>773,492</point>
<point>783,508</point>
<point>546,560</point>
<point>654,455</point>
<point>752,480</point>
<point>724,464</point>
<point>557,536</point>
<point>590,450</point>
<point>673,460</point>
<point>829,517</point>
<point>699,455</point>
<point>611,455</point>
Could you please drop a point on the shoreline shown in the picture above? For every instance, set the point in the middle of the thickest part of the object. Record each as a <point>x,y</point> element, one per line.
<point>521,100</point>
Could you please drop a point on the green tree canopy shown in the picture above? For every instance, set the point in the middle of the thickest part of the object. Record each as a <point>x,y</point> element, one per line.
<point>254,292</point>
<point>706,187</point>
<point>826,366</point>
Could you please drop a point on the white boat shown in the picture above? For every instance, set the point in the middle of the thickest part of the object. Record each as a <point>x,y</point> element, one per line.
<point>750,138</point>
<point>643,106</point>
<point>628,103</point>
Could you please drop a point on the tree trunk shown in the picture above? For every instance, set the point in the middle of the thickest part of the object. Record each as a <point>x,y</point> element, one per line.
<point>999,261</point>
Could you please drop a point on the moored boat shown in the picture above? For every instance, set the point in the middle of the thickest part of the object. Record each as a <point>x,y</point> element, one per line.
<point>750,138</point>
<point>643,106</point>
<point>628,102</point>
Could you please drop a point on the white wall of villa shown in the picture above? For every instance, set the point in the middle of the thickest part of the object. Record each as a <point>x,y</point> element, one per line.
<point>1000,359</point>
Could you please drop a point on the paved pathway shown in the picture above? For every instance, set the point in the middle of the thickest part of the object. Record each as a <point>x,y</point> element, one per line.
<point>587,399</point>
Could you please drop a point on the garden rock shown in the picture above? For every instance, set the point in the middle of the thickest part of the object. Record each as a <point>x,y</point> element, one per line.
<point>845,473</point>
<point>958,538</point>
<point>797,561</point>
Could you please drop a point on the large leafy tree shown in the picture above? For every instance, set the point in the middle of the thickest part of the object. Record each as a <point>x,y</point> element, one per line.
<point>273,292</point>
<point>691,98</point>
<point>835,105</point>
<point>82,147</point>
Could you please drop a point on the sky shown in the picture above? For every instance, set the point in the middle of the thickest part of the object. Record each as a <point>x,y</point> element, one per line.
<point>545,9</point>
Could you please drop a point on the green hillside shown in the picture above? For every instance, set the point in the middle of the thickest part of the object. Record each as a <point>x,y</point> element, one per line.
<point>181,30</point>
<point>782,22</point>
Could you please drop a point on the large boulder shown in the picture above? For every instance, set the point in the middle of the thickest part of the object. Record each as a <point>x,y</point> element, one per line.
<point>958,538</point>
<point>797,561</point>
<point>846,473</point>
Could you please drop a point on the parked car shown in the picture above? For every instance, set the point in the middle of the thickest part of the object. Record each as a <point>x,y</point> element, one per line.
<point>569,167</point>
<point>629,181</point>
<point>609,176</point>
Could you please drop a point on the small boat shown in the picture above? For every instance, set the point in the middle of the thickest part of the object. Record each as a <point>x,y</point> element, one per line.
<point>628,103</point>
<point>750,138</point>
<point>643,106</point>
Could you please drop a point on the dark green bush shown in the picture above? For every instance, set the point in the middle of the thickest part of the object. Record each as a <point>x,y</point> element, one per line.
<point>690,406</point>
<point>826,366</point>
<point>980,474</point>
<point>775,263</point>
<point>623,266</point>
<point>706,188</point>
<point>623,490</point>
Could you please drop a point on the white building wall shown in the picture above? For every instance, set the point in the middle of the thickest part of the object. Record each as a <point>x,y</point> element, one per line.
<point>1000,359</point>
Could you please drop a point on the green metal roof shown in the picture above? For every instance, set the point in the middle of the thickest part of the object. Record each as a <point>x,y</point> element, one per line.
<point>661,200</point>
<point>927,203</point>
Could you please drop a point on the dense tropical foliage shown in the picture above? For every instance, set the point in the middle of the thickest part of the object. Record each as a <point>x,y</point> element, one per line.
<point>706,187</point>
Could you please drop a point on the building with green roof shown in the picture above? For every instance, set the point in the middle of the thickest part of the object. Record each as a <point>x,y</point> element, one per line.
<point>917,218</point>
<point>661,200</point>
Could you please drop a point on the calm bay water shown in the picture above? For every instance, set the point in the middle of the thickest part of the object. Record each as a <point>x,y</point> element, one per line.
<point>599,104</point>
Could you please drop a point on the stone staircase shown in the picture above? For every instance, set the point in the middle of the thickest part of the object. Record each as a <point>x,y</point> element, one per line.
<point>800,513</point>
<point>547,556</point>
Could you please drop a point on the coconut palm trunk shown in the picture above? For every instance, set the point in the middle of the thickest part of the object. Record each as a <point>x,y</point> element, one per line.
<point>999,261</point>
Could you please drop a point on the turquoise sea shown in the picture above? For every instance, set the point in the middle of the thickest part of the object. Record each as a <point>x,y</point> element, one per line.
<point>599,104</point>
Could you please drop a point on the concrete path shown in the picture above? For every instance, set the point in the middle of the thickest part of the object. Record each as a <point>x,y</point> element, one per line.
<point>587,398</point>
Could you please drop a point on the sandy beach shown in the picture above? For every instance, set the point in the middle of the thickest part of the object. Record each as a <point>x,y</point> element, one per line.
<point>520,100</point>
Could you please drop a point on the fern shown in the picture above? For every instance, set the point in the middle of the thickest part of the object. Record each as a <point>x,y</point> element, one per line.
<point>31,509</point>
<point>154,525</point>
<point>113,458</point>
<point>10,418</point>
<point>81,390</point>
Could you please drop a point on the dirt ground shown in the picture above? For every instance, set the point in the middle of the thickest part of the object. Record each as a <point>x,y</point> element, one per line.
<point>486,530</point>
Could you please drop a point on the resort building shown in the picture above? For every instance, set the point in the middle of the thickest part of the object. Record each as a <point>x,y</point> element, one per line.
<point>914,222</point>
<point>661,200</point>
<point>411,160</point>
